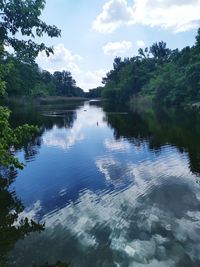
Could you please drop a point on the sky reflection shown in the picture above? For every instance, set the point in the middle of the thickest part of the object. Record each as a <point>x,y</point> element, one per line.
<point>108,202</point>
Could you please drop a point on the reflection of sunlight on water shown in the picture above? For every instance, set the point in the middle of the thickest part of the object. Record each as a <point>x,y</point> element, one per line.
<point>87,116</point>
<point>154,222</point>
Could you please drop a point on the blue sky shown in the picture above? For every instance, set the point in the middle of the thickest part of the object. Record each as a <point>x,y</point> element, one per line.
<point>95,31</point>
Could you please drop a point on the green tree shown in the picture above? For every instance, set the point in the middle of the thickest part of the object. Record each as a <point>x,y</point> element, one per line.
<point>17,17</point>
<point>167,76</point>
<point>11,229</point>
<point>23,17</point>
<point>65,84</point>
<point>160,51</point>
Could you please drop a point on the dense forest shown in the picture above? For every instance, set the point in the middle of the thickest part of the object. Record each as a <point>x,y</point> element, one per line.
<point>157,73</point>
<point>94,93</point>
<point>27,79</point>
<point>170,77</point>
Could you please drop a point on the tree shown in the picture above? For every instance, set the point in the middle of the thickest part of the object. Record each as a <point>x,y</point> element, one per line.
<point>117,63</point>
<point>65,84</point>
<point>198,39</point>
<point>17,17</point>
<point>10,228</point>
<point>144,53</point>
<point>160,51</point>
<point>95,93</point>
<point>167,76</point>
<point>21,77</point>
<point>27,79</point>
<point>23,17</point>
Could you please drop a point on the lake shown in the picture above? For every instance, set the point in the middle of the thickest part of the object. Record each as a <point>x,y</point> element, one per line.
<point>114,187</point>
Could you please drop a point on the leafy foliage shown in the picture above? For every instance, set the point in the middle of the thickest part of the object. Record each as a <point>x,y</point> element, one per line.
<point>17,17</point>
<point>94,93</point>
<point>19,73</point>
<point>10,139</point>
<point>22,16</point>
<point>65,84</point>
<point>28,79</point>
<point>166,76</point>
<point>11,228</point>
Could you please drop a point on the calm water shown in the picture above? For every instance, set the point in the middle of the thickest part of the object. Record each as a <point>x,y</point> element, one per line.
<point>113,187</point>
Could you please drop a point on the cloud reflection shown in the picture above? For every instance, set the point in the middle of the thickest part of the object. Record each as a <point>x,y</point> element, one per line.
<point>117,145</point>
<point>62,138</point>
<point>155,222</point>
<point>67,138</point>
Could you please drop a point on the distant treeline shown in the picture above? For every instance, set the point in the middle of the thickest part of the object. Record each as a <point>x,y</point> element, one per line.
<point>27,79</point>
<point>157,73</point>
<point>94,93</point>
<point>170,77</point>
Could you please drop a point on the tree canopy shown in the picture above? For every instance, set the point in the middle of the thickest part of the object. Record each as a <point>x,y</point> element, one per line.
<point>28,79</point>
<point>166,76</point>
<point>23,17</point>
<point>19,74</point>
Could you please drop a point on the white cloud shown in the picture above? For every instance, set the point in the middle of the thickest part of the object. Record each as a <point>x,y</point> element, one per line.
<point>175,15</point>
<point>115,13</point>
<point>91,79</point>
<point>73,67</point>
<point>114,48</point>
<point>64,59</point>
<point>140,44</point>
<point>61,54</point>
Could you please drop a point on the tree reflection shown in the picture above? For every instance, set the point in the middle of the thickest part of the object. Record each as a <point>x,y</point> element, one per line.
<point>45,117</point>
<point>159,127</point>
<point>32,148</point>
<point>58,264</point>
<point>11,227</point>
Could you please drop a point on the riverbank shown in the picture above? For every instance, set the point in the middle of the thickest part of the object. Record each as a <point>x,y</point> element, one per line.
<point>145,102</point>
<point>22,100</point>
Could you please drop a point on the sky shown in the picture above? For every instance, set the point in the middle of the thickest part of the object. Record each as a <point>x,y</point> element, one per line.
<point>94,32</point>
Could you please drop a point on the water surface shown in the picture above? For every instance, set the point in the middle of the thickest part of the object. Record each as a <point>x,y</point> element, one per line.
<point>114,187</point>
